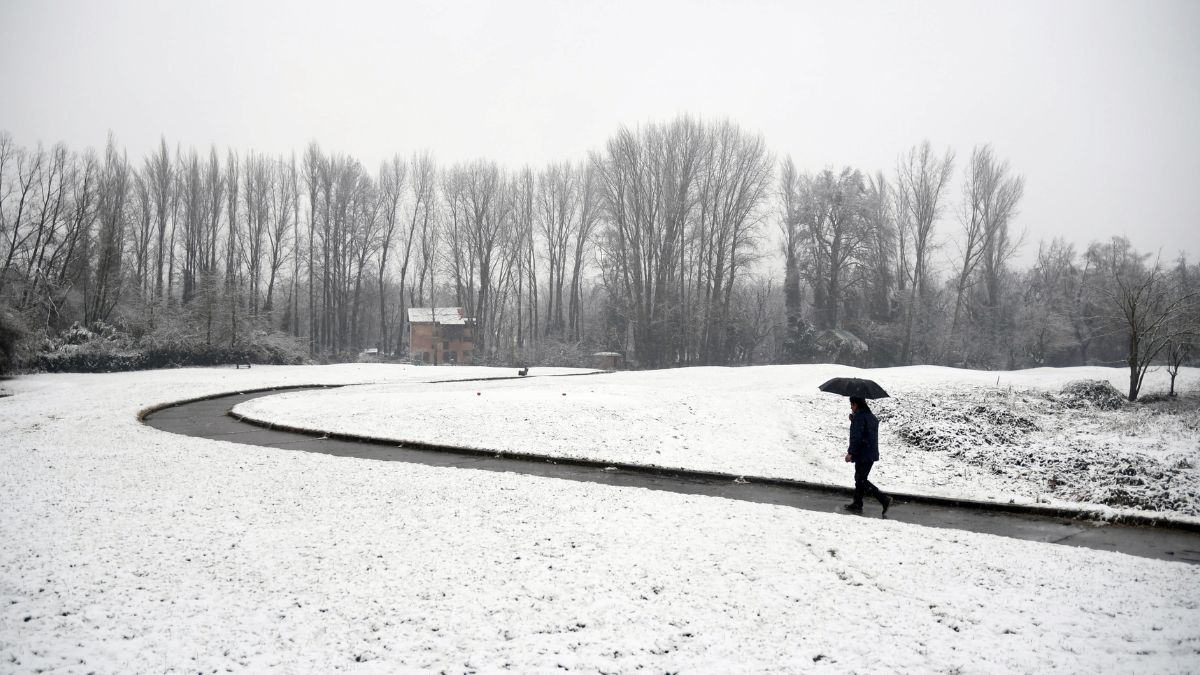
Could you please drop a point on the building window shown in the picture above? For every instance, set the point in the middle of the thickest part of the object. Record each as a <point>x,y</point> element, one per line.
<point>445,345</point>
<point>450,358</point>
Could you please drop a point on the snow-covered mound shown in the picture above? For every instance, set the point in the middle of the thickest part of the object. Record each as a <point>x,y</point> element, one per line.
<point>1092,393</point>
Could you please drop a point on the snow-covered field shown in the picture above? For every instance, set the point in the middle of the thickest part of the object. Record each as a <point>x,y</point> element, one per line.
<point>981,435</point>
<point>126,549</point>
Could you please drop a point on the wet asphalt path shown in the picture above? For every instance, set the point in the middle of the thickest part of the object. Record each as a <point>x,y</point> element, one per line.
<point>210,419</point>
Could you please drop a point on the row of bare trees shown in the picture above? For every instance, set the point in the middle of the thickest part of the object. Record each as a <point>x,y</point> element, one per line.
<point>682,206</point>
<point>862,254</point>
<point>62,225</point>
<point>657,246</point>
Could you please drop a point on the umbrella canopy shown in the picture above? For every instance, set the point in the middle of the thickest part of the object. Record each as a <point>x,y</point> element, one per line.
<point>854,386</point>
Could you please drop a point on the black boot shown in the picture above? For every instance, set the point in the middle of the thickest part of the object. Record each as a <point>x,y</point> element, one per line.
<point>886,501</point>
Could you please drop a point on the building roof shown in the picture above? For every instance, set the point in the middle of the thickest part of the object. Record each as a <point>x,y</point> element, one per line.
<point>446,316</point>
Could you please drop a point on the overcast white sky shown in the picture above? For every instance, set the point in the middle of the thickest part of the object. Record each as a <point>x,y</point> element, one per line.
<point>1096,103</point>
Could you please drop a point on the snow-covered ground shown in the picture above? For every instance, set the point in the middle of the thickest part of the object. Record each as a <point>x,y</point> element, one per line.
<point>126,549</point>
<point>1007,436</point>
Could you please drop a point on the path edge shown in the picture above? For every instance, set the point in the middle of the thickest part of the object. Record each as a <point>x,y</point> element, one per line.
<point>1082,514</point>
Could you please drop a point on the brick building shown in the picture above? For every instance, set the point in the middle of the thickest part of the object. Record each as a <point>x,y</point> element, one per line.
<point>440,335</point>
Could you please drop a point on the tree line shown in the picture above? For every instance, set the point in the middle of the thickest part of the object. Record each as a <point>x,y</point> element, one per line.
<point>679,243</point>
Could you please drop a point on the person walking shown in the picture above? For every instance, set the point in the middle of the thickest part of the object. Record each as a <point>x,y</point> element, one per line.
<point>864,452</point>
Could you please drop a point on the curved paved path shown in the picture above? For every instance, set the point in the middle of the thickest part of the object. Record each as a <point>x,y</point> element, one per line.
<point>210,418</point>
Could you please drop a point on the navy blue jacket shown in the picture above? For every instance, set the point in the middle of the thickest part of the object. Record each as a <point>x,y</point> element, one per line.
<point>864,436</point>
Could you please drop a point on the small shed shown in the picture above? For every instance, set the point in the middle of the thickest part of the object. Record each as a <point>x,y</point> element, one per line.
<point>441,335</point>
<point>608,360</point>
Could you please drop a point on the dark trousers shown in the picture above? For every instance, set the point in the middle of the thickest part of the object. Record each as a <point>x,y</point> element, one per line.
<point>862,486</point>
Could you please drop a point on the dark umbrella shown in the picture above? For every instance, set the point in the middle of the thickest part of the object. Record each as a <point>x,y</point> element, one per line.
<point>854,386</point>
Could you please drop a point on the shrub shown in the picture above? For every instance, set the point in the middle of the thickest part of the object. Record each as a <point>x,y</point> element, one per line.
<point>800,341</point>
<point>101,348</point>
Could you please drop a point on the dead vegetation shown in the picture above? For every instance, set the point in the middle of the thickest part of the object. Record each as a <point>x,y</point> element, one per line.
<point>1084,443</point>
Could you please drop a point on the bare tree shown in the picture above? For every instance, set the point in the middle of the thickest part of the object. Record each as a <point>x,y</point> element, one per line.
<point>478,204</point>
<point>647,181</point>
<point>392,175</point>
<point>105,291</point>
<point>421,219</point>
<point>52,194</point>
<point>282,199</point>
<point>14,228</point>
<point>10,153</point>
<point>195,205</point>
<point>365,240</point>
<point>990,198</point>
<point>296,248</point>
<point>429,241</point>
<point>510,267</point>
<point>1180,349</point>
<point>834,217</point>
<point>1045,322</point>
<point>232,242</point>
<point>73,257</point>
<point>1149,308</point>
<point>589,216</point>
<point>525,192</point>
<point>312,172</point>
<point>755,315</point>
<point>978,187</point>
<point>1178,352</point>
<point>348,237</point>
<point>143,232</point>
<point>734,185</point>
<point>161,177</point>
<point>214,195</point>
<point>880,245</point>
<point>1001,242</point>
<point>558,220</point>
<point>921,179</point>
<point>258,182</point>
<point>791,226</point>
